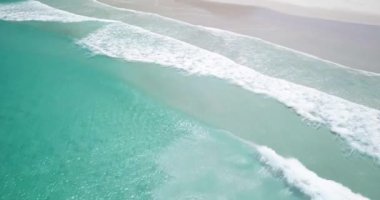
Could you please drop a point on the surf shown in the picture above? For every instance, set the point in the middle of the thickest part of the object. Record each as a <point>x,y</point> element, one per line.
<point>297,175</point>
<point>357,124</point>
<point>31,10</point>
<point>264,164</point>
<point>263,56</point>
<point>274,60</point>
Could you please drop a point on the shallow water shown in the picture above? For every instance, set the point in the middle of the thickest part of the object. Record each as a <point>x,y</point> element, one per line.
<point>84,126</point>
<point>70,129</point>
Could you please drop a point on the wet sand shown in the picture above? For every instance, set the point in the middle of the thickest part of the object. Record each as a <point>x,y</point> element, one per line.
<point>365,12</point>
<point>351,44</point>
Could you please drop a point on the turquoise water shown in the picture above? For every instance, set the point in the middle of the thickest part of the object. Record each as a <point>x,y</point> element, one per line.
<point>70,129</point>
<point>83,126</point>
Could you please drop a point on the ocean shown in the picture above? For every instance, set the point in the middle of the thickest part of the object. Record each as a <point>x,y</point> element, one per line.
<point>99,102</point>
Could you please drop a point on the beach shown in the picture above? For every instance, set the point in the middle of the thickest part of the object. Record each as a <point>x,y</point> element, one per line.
<point>181,99</point>
<point>343,41</point>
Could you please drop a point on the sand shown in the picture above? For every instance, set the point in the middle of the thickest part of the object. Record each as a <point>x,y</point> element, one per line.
<point>356,11</point>
<point>355,45</point>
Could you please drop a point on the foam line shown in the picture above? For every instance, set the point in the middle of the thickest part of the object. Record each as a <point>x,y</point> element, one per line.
<point>226,33</point>
<point>357,124</point>
<point>352,121</point>
<point>292,171</point>
<point>298,176</point>
<point>308,182</point>
<point>31,10</point>
<point>265,57</point>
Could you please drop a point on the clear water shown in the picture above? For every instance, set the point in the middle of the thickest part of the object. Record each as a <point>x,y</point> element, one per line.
<point>73,129</point>
<point>83,126</point>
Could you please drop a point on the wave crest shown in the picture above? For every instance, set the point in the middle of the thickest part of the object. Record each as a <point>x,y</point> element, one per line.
<point>302,178</point>
<point>31,10</point>
<point>357,124</point>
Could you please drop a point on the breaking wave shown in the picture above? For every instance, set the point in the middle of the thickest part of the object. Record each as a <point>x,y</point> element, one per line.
<point>230,152</point>
<point>307,181</point>
<point>31,10</point>
<point>357,124</point>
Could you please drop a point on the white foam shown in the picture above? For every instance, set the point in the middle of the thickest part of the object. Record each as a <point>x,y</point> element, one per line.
<point>229,34</point>
<point>31,10</point>
<point>298,176</point>
<point>357,124</point>
<point>200,140</point>
<point>307,181</point>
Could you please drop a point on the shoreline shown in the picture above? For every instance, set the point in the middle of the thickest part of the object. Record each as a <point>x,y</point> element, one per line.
<point>369,14</point>
<point>349,44</point>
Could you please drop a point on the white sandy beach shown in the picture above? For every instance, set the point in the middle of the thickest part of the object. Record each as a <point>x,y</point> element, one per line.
<point>103,101</point>
<point>347,35</point>
<point>355,11</point>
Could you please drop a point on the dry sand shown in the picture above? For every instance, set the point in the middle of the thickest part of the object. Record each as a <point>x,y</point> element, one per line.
<point>352,44</point>
<point>356,11</point>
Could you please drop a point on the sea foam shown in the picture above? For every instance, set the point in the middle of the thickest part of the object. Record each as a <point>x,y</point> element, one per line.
<point>226,35</point>
<point>200,142</point>
<point>297,175</point>
<point>31,10</point>
<point>353,84</point>
<point>357,124</point>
